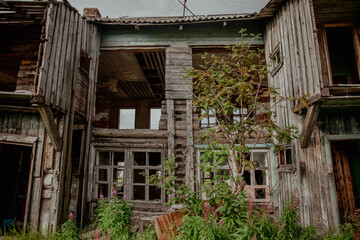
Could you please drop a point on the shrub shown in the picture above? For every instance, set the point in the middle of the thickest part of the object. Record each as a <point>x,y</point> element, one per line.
<point>196,227</point>
<point>68,231</point>
<point>114,218</point>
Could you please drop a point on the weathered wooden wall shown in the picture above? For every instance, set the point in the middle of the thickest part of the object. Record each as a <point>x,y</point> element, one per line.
<point>293,29</point>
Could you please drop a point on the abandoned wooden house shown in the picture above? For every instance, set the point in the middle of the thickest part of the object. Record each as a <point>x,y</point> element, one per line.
<point>88,104</point>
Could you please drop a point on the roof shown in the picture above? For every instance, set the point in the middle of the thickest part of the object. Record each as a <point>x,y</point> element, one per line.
<point>172,20</point>
<point>22,12</point>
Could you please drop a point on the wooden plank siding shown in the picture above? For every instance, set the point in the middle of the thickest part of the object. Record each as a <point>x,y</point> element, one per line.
<point>293,28</point>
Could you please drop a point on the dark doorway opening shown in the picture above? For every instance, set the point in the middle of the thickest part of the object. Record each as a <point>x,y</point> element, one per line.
<point>14,177</point>
<point>346,162</point>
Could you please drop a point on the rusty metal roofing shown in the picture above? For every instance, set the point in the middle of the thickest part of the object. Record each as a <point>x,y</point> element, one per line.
<point>172,20</point>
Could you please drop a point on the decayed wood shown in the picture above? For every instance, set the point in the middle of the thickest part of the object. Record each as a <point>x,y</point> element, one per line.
<point>309,123</point>
<point>17,138</point>
<point>133,133</point>
<point>51,127</point>
<point>170,127</point>
<point>189,169</point>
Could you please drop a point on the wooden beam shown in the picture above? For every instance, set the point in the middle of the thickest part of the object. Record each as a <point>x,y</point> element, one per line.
<point>51,127</point>
<point>130,133</point>
<point>309,124</point>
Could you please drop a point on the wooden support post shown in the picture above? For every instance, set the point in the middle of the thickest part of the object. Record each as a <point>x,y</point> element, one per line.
<point>171,127</point>
<point>189,167</point>
<point>51,127</point>
<point>309,124</point>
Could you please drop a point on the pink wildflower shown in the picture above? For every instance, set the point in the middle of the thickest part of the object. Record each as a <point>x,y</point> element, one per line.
<point>357,211</point>
<point>101,196</point>
<point>221,222</point>
<point>124,197</point>
<point>114,192</point>
<point>70,216</point>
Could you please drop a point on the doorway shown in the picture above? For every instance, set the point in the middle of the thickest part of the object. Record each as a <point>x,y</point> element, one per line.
<point>346,162</point>
<point>14,177</point>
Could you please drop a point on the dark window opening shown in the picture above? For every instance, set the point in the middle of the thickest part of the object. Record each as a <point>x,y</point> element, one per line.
<point>18,57</point>
<point>14,177</point>
<point>343,61</point>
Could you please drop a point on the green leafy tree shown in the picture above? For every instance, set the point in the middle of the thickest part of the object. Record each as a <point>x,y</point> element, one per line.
<point>234,91</point>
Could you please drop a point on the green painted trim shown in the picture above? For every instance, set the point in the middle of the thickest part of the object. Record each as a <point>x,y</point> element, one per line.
<point>328,139</point>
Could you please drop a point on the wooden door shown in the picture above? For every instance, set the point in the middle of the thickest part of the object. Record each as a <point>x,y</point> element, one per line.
<point>346,162</point>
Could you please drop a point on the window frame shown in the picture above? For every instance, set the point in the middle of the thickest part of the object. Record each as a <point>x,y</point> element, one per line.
<point>276,57</point>
<point>127,172</point>
<point>356,46</point>
<point>249,189</point>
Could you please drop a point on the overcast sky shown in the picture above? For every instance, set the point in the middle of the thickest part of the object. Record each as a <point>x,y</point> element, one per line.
<point>154,8</point>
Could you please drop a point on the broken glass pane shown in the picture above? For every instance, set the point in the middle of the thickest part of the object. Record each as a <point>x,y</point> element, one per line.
<point>103,173</point>
<point>139,193</point>
<point>260,193</point>
<point>247,177</point>
<point>154,193</point>
<point>118,175</point>
<point>139,158</point>
<point>154,158</point>
<point>139,176</point>
<point>119,158</point>
<point>104,158</point>
<point>260,177</point>
<point>260,159</point>
<point>103,190</point>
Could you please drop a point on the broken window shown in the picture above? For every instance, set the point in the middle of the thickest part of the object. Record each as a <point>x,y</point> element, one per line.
<point>208,118</point>
<point>127,118</point>
<point>127,172</point>
<point>343,64</point>
<point>155,115</point>
<point>276,59</point>
<point>256,178</point>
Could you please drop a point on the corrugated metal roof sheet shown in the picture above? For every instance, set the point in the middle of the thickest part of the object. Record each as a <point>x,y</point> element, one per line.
<point>171,20</point>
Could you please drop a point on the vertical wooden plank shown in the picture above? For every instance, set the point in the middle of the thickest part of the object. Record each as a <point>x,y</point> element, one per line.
<point>59,55</point>
<point>49,31</point>
<point>52,56</point>
<point>66,37</point>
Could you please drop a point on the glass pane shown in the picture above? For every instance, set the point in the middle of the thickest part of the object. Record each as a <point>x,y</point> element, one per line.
<point>118,175</point>
<point>119,188</point>
<point>259,158</point>
<point>260,177</point>
<point>154,158</point>
<point>154,193</point>
<point>127,119</point>
<point>247,177</point>
<point>139,158</point>
<point>103,190</point>
<point>260,193</point>
<point>212,121</point>
<point>102,176</point>
<point>139,176</point>
<point>155,114</point>
<point>104,158</point>
<point>139,193</point>
<point>119,158</point>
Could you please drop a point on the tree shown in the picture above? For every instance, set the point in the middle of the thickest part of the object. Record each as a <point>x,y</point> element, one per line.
<point>233,91</point>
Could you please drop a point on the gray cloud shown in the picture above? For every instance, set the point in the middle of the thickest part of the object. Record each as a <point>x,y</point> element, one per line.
<point>141,8</point>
